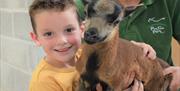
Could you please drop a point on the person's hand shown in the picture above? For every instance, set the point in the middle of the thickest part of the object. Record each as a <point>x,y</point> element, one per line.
<point>99,87</point>
<point>138,86</point>
<point>147,50</point>
<point>175,71</point>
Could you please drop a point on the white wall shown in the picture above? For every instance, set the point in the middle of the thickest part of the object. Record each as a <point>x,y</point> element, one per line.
<point>18,54</point>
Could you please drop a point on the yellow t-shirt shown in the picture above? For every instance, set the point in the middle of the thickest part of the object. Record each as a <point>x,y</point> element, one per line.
<point>49,78</point>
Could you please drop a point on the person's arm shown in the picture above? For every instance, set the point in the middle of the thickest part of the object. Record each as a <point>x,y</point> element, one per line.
<point>175,71</point>
<point>179,42</point>
<point>173,7</point>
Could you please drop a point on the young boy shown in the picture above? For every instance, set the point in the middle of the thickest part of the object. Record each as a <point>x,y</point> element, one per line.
<point>58,30</point>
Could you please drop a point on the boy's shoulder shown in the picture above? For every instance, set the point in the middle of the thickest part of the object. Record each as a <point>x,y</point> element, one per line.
<point>43,71</point>
<point>42,78</point>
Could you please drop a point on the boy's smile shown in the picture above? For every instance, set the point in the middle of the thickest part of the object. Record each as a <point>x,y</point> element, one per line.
<point>63,49</point>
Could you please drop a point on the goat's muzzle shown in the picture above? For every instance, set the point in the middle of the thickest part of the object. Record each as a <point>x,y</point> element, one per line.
<point>91,36</point>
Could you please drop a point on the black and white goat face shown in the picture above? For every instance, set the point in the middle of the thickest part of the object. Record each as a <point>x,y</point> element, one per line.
<point>102,16</point>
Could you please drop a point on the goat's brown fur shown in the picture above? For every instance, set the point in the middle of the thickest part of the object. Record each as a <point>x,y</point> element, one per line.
<point>116,58</point>
<point>119,58</point>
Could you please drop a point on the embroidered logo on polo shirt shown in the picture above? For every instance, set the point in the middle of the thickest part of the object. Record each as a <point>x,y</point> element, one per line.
<point>157,27</point>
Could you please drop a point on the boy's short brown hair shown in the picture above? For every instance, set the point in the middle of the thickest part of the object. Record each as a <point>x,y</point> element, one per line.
<point>44,5</point>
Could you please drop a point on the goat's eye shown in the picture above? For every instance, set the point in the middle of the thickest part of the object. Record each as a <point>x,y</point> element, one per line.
<point>90,11</point>
<point>111,18</point>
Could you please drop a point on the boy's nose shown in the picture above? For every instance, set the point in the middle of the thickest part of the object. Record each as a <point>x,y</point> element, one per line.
<point>91,35</point>
<point>61,40</point>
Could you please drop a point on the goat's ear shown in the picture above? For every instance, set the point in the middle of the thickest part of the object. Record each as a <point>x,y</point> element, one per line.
<point>85,2</point>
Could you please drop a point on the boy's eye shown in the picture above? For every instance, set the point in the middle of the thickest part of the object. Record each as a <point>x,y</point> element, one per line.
<point>69,29</point>
<point>47,34</point>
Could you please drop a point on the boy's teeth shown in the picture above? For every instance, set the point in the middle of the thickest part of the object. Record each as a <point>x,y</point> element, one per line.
<point>64,49</point>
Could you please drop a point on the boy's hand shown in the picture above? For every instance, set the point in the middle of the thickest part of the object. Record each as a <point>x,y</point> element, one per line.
<point>175,71</point>
<point>147,49</point>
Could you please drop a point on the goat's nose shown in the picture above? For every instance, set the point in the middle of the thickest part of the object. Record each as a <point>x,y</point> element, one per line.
<point>91,35</point>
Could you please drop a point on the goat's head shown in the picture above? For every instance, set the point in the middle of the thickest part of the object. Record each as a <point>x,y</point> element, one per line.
<point>101,18</point>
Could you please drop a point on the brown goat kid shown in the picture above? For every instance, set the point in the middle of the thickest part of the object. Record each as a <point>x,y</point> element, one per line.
<point>115,61</point>
<point>109,60</point>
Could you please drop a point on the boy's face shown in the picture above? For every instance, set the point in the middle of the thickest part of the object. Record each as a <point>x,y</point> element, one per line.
<point>59,33</point>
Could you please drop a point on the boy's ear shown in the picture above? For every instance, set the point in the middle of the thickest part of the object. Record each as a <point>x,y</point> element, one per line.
<point>34,37</point>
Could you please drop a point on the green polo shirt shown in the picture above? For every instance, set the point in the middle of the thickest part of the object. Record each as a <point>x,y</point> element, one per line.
<point>154,23</point>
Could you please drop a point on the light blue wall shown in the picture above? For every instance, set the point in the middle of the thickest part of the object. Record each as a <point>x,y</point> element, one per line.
<point>18,54</point>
